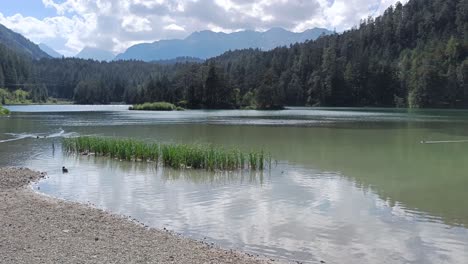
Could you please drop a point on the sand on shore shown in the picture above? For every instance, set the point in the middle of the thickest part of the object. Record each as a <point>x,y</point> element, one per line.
<point>38,229</point>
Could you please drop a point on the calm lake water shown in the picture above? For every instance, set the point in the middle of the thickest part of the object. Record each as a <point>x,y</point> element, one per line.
<point>349,185</point>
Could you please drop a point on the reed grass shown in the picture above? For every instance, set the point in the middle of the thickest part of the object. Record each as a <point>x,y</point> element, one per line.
<point>157,106</point>
<point>178,156</point>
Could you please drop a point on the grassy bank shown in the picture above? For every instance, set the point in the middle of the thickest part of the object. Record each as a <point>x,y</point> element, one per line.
<point>157,106</point>
<point>178,156</point>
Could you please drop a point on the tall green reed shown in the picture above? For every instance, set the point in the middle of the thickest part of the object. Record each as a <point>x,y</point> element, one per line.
<point>178,156</point>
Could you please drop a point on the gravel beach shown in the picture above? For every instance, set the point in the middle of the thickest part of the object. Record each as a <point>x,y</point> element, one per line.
<point>38,229</point>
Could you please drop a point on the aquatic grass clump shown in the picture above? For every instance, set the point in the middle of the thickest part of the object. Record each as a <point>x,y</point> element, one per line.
<point>157,106</point>
<point>178,156</point>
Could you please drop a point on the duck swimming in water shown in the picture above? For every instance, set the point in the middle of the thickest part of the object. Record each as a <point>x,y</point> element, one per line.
<point>64,170</point>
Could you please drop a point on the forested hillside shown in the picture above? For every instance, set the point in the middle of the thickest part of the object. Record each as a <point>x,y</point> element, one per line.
<point>412,56</point>
<point>15,68</point>
<point>20,44</point>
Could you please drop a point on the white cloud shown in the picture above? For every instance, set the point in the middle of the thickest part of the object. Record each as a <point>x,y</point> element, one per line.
<point>136,24</point>
<point>116,24</point>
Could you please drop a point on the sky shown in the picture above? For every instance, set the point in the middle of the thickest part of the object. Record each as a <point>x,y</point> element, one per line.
<point>70,25</point>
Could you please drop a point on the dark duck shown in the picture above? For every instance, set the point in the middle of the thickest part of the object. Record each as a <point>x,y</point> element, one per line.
<point>64,170</point>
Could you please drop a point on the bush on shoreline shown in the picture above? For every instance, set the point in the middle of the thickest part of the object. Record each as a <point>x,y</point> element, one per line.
<point>157,106</point>
<point>4,111</point>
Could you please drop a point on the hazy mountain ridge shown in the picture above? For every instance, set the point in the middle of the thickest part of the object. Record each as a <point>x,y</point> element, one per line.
<point>207,44</point>
<point>49,50</point>
<point>19,43</point>
<point>95,54</point>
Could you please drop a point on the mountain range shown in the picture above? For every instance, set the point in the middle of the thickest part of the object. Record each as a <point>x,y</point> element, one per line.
<point>197,46</point>
<point>207,44</point>
<point>20,44</point>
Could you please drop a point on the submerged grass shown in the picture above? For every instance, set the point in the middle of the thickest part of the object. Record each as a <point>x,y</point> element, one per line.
<point>178,156</point>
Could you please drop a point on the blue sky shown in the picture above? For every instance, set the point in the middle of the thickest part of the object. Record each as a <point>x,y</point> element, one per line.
<point>70,25</point>
<point>34,8</point>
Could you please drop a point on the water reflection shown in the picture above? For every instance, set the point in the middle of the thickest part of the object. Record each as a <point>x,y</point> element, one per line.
<point>219,177</point>
<point>294,213</point>
<point>168,174</point>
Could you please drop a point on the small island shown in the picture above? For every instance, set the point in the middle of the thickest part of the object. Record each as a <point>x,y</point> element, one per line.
<point>157,106</point>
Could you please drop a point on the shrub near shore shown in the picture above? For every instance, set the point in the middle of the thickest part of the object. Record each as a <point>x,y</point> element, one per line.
<point>4,111</point>
<point>178,156</point>
<point>157,106</point>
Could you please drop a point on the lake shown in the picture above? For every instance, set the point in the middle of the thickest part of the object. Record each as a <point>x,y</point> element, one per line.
<point>346,186</point>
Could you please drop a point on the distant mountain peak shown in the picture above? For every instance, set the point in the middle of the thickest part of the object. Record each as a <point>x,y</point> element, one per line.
<point>204,34</point>
<point>206,44</point>
<point>207,32</point>
<point>277,29</point>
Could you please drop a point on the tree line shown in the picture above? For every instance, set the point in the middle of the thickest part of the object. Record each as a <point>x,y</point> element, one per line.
<point>414,55</point>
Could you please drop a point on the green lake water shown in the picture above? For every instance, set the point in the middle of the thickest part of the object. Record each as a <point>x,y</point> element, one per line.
<point>347,185</point>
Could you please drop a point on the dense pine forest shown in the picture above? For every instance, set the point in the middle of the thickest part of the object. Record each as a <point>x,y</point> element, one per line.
<point>414,55</point>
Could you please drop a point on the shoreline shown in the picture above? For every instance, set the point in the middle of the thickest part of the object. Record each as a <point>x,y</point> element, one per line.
<point>36,228</point>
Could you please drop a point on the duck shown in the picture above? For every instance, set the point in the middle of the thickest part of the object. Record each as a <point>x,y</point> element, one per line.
<point>64,170</point>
